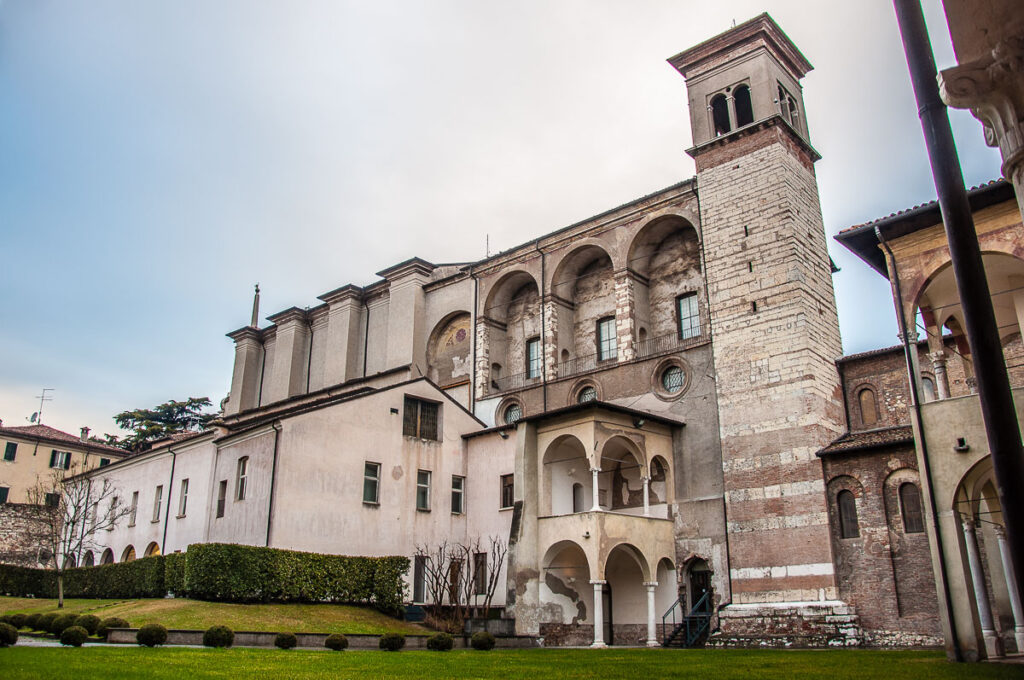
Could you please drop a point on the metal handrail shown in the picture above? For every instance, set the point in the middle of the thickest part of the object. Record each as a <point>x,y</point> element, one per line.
<point>694,623</point>
<point>584,363</point>
<point>666,343</point>
<point>514,382</point>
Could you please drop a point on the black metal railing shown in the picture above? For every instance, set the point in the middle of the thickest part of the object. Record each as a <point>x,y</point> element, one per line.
<point>587,362</point>
<point>514,382</point>
<point>666,343</point>
<point>686,630</point>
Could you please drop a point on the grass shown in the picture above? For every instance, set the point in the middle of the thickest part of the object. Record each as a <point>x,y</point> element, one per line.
<point>199,615</point>
<point>132,662</point>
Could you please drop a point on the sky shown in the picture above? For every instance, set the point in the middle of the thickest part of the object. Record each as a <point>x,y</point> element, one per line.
<point>159,158</point>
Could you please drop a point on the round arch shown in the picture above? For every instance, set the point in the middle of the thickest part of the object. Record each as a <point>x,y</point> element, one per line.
<point>503,290</point>
<point>129,554</point>
<point>566,485</point>
<point>152,550</point>
<point>88,559</point>
<point>448,349</point>
<point>648,240</point>
<point>107,557</point>
<point>623,466</point>
<point>565,591</point>
<point>567,272</point>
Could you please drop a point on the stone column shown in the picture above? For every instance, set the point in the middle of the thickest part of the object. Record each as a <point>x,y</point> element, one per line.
<point>1011,587</point>
<point>652,631</point>
<point>483,358</point>
<point>549,338</point>
<point>625,318</point>
<point>598,614</point>
<point>595,506</point>
<point>941,378</point>
<point>993,644</point>
<point>993,89</point>
<point>647,496</point>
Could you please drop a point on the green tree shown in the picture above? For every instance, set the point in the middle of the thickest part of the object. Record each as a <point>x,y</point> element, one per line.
<point>149,425</point>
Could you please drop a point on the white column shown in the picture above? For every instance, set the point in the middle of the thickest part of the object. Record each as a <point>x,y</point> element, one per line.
<point>1011,587</point>
<point>596,506</point>
<point>598,612</point>
<point>993,644</point>
<point>941,377</point>
<point>647,496</point>
<point>652,632</point>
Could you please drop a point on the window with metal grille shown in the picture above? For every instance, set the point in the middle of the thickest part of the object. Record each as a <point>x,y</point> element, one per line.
<point>458,494</point>
<point>241,477</point>
<point>10,451</point>
<point>910,506</point>
<point>222,494</point>
<point>513,413</point>
<point>533,359</point>
<point>371,483</point>
<point>480,573</point>
<point>420,419</point>
<point>423,489</point>
<point>848,527</point>
<point>688,313</point>
<point>508,491</point>
<point>606,347</point>
<point>588,393</point>
<point>673,379</point>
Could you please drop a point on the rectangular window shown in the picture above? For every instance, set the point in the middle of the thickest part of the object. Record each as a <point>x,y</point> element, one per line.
<point>158,498</point>
<point>458,494</point>
<point>454,579</point>
<point>419,578</point>
<point>222,494</point>
<point>113,512</point>
<point>689,316</point>
<point>480,573</point>
<point>60,460</point>
<point>52,500</point>
<point>10,451</point>
<point>508,491</point>
<point>134,510</point>
<point>533,359</point>
<point>423,490</point>
<point>4,491</point>
<point>371,483</point>
<point>104,462</point>
<point>241,477</point>
<point>606,348</point>
<point>183,501</point>
<point>420,419</point>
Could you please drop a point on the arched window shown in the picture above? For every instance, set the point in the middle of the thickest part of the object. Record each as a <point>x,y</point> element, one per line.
<point>720,115</point>
<point>588,393</point>
<point>928,389</point>
<point>152,550</point>
<point>241,477</point>
<point>910,507</point>
<point>69,562</point>
<point>744,109</point>
<point>847,505</point>
<point>577,497</point>
<point>868,407</point>
<point>88,559</point>
<point>513,413</point>
<point>129,554</point>
<point>107,557</point>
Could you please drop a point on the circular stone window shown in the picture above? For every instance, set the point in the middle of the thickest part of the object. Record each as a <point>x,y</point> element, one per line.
<point>588,393</point>
<point>513,413</point>
<point>671,379</point>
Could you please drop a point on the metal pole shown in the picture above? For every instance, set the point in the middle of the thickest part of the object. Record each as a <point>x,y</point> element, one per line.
<point>997,408</point>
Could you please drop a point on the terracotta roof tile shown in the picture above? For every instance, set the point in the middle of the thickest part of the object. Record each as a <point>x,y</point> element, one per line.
<point>55,435</point>
<point>869,439</point>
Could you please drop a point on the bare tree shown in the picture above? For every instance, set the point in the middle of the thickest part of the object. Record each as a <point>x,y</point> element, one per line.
<point>436,570</point>
<point>495,559</point>
<point>77,509</point>
<point>462,573</point>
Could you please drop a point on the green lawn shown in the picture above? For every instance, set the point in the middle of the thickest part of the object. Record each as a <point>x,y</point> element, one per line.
<point>133,662</point>
<point>198,615</point>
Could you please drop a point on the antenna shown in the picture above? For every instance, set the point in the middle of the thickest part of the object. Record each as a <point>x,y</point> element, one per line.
<point>37,417</point>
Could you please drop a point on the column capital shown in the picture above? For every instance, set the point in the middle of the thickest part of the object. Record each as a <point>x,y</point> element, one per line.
<point>1000,531</point>
<point>968,522</point>
<point>650,584</point>
<point>597,582</point>
<point>938,357</point>
<point>595,469</point>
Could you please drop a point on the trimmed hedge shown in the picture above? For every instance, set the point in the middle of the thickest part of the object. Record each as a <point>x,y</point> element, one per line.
<point>88,621</point>
<point>440,642</point>
<point>483,641</point>
<point>62,622</point>
<point>239,573</point>
<point>228,573</point>
<point>44,621</point>
<point>73,636</point>
<point>286,640</point>
<point>8,635</point>
<point>336,641</point>
<point>31,620</point>
<point>391,642</point>
<point>111,622</point>
<point>218,636</point>
<point>151,635</point>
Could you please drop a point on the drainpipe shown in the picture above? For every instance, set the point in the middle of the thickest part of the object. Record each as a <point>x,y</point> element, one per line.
<point>366,334</point>
<point>273,478</point>
<point>996,399</point>
<point>543,331</point>
<point>909,353</point>
<point>170,495</point>
<point>472,368</point>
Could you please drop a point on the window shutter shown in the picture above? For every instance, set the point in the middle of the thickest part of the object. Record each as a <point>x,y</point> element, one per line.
<point>411,417</point>
<point>53,457</point>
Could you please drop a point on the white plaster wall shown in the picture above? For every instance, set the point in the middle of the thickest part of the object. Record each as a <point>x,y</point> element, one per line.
<point>195,463</point>
<point>244,521</point>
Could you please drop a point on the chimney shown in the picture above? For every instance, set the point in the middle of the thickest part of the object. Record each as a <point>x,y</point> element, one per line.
<point>85,434</point>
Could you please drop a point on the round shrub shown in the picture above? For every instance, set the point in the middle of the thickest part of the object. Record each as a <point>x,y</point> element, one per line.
<point>31,620</point>
<point>285,640</point>
<point>88,621</point>
<point>483,641</point>
<point>392,642</point>
<point>18,620</point>
<point>218,636</point>
<point>73,636</point>
<point>44,621</point>
<point>440,642</point>
<point>111,622</point>
<point>61,622</point>
<point>8,635</point>
<point>336,641</point>
<point>151,635</point>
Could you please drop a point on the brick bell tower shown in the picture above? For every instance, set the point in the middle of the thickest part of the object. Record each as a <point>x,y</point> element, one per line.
<point>774,329</point>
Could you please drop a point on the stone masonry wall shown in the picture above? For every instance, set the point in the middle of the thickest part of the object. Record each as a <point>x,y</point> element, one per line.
<point>20,534</point>
<point>776,338</point>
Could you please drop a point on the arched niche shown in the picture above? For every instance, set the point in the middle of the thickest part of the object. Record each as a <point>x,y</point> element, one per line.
<point>511,318</point>
<point>565,465</point>
<point>583,287</point>
<point>565,592</point>
<point>449,350</point>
